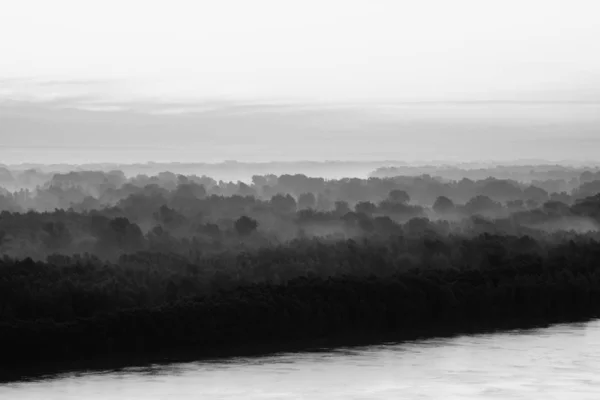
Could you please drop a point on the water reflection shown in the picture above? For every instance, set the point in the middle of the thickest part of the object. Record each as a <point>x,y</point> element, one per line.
<point>556,362</point>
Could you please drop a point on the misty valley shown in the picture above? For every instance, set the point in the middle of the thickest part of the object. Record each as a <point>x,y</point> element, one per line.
<point>99,263</point>
<point>325,199</point>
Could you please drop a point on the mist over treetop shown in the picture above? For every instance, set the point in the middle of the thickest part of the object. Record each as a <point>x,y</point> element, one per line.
<point>109,214</point>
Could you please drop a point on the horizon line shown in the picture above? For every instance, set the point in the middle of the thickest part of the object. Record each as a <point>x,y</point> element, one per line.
<point>416,163</point>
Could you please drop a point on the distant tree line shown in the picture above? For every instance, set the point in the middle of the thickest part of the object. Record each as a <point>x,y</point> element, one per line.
<point>87,190</point>
<point>107,215</point>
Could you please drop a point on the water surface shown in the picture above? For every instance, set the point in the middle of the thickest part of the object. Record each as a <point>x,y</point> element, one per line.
<point>558,362</point>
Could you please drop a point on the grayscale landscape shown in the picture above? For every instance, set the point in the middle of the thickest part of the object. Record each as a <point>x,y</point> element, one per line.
<point>299,200</point>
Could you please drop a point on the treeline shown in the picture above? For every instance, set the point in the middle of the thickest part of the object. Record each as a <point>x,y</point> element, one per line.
<point>526,281</point>
<point>64,288</point>
<point>28,176</point>
<point>88,190</point>
<point>545,174</point>
<point>95,262</point>
<point>192,227</point>
<point>107,215</point>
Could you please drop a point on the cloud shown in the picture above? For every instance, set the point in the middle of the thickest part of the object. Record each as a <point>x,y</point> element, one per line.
<point>114,95</point>
<point>59,92</point>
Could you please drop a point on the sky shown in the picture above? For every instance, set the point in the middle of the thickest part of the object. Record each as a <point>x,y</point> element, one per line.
<point>310,50</point>
<point>260,80</point>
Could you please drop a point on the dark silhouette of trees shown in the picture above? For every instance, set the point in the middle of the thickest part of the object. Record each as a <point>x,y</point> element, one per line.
<point>341,208</point>
<point>169,217</point>
<point>58,235</point>
<point>502,190</point>
<point>443,205</point>
<point>307,200</point>
<point>195,219</point>
<point>486,281</point>
<point>535,194</point>
<point>481,205</point>
<point>284,204</point>
<point>95,261</point>
<point>244,225</point>
<point>399,196</point>
<point>3,238</point>
<point>365,207</point>
<point>126,234</point>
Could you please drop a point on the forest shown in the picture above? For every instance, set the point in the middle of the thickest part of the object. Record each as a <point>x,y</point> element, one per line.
<point>98,262</point>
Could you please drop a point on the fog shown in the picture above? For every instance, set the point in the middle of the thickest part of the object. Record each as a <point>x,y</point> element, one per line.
<point>182,209</point>
<point>226,174</point>
<point>62,132</point>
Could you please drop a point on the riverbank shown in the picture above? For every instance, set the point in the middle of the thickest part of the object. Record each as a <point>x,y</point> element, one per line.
<point>112,363</point>
<point>305,314</point>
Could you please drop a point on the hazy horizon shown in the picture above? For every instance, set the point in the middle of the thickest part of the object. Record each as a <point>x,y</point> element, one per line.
<point>66,132</point>
<point>134,81</point>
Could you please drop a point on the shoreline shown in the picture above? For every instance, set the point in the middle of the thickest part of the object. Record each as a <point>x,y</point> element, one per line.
<point>116,362</point>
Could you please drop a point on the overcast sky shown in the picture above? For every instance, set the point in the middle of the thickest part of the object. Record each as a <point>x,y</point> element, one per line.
<point>301,50</point>
<point>124,80</point>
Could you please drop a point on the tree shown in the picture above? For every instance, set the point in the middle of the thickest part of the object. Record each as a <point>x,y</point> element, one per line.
<point>556,208</point>
<point>244,225</point>
<point>366,224</point>
<point>536,194</point>
<point>587,189</point>
<point>138,206</point>
<point>323,202</point>
<point>481,204</point>
<point>501,189</point>
<point>168,217</point>
<point>589,207</point>
<point>3,238</point>
<point>515,205</point>
<point>307,200</point>
<point>126,234</point>
<point>210,229</point>
<point>417,226</point>
<point>443,205</point>
<point>586,176</point>
<point>283,204</point>
<point>398,196</point>
<point>365,207</point>
<point>171,292</point>
<point>385,225</point>
<point>341,208</point>
<point>562,197</point>
<point>58,235</point>
<point>245,190</point>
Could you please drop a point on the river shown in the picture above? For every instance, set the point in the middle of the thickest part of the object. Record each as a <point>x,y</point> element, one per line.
<point>557,362</point>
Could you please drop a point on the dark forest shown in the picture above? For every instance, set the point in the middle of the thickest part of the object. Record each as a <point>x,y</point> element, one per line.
<point>98,262</point>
